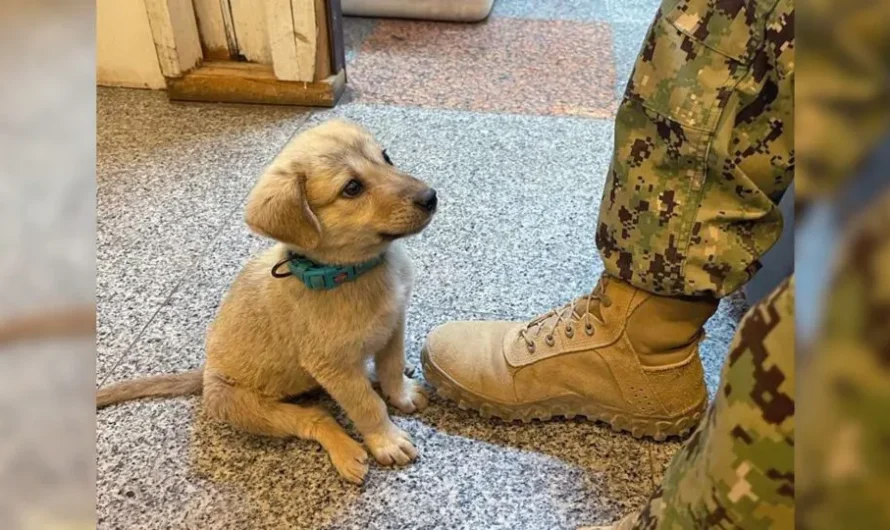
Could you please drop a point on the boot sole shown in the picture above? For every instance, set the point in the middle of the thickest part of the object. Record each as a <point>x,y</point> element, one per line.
<point>658,429</point>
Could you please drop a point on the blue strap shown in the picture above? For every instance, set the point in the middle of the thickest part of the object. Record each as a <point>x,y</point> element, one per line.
<point>323,277</point>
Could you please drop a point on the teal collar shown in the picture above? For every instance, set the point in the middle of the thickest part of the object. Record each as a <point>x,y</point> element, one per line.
<point>322,277</point>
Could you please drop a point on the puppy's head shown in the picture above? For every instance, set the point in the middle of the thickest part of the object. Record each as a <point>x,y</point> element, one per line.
<point>334,194</point>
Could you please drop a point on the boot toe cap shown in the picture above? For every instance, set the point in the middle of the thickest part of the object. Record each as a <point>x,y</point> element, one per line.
<point>470,355</point>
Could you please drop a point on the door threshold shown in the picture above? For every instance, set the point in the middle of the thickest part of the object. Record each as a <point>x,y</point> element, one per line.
<point>243,82</point>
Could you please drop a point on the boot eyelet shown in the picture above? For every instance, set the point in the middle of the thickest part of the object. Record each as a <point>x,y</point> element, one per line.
<point>549,340</point>
<point>588,328</point>
<point>530,347</point>
<point>570,331</point>
<point>607,302</point>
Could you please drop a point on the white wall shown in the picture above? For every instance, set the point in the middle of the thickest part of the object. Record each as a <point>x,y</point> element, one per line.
<point>125,51</point>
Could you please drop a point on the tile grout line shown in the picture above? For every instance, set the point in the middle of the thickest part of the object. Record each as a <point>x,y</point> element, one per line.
<point>194,263</point>
<point>173,291</point>
<point>609,118</point>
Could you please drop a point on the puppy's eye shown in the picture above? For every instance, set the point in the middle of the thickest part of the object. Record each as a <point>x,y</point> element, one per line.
<point>386,157</point>
<point>353,189</point>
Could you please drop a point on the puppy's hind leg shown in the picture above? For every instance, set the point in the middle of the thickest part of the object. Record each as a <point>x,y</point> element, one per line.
<point>248,411</point>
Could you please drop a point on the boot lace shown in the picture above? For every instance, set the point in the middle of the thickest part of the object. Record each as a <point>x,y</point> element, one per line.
<point>566,316</point>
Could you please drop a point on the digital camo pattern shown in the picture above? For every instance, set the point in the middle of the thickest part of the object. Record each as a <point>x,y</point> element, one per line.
<point>844,478</point>
<point>845,378</point>
<point>737,469</point>
<point>704,148</point>
<point>844,112</point>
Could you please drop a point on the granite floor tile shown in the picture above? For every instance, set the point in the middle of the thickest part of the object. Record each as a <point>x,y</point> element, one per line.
<point>661,454</point>
<point>166,465</point>
<point>628,21</point>
<point>355,31</point>
<point>600,10</point>
<point>158,161</point>
<point>552,9</point>
<point>133,282</point>
<point>161,463</point>
<point>628,42</point>
<point>174,339</point>
<point>637,11</point>
<point>719,331</point>
<point>503,65</point>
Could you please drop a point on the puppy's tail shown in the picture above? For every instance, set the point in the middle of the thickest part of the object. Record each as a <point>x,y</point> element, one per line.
<point>182,384</point>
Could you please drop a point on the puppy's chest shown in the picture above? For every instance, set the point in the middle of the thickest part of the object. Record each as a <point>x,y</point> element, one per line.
<point>383,319</point>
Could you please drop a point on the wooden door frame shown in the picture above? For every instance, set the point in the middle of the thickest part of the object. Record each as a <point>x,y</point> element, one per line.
<point>305,40</point>
<point>175,33</point>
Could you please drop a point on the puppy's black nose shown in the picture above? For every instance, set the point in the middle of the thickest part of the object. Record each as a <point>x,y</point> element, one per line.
<point>427,200</point>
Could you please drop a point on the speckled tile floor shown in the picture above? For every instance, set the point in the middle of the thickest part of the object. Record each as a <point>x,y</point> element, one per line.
<point>518,182</point>
<point>502,65</point>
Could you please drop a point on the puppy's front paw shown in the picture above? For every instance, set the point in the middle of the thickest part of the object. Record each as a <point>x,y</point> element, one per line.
<point>392,446</point>
<point>410,398</point>
<point>351,461</point>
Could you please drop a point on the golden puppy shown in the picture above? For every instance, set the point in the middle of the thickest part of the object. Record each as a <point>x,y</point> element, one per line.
<point>336,205</point>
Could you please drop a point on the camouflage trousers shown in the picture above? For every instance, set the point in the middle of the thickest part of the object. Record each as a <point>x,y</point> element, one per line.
<point>844,375</point>
<point>704,148</point>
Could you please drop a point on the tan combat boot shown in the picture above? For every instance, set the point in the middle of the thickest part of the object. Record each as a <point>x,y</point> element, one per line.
<point>619,355</point>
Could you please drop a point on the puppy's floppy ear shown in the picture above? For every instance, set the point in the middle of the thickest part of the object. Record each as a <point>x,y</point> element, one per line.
<point>278,208</point>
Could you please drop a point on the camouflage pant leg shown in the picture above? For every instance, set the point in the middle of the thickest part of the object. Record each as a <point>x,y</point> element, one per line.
<point>737,469</point>
<point>704,148</point>
<point>844,475</point>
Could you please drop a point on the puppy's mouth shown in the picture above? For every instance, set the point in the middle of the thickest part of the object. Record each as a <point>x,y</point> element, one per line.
<point>388,236</point>
<point>392,236</point>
